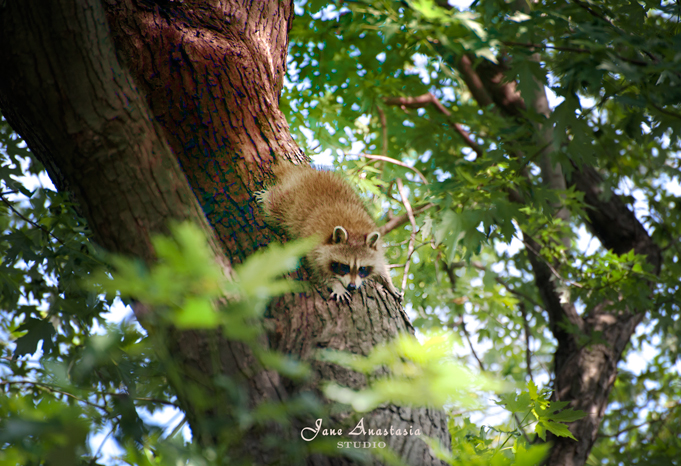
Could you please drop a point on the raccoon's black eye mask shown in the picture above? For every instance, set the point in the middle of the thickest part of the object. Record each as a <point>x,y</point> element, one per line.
<point>340,269</point>
<point>364,272</point>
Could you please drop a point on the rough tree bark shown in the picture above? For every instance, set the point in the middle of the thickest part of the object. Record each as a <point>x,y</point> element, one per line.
<point>154,111</point>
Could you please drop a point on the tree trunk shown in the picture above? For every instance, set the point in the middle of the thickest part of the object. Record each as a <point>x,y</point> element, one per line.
<point>149,112</point>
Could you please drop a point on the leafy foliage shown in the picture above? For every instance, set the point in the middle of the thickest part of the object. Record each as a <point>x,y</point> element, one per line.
<point>419,374</point>
<point>382,78</point>
<point>613,73</point>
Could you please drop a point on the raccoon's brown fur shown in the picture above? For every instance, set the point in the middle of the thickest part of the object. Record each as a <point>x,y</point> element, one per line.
<point>306,202</point>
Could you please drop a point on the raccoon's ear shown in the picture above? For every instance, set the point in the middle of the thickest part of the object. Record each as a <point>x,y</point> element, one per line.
<point>372,239</point>
<point>339,235</point>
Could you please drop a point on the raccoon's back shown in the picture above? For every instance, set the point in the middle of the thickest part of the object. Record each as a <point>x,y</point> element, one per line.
<point>309,202</point>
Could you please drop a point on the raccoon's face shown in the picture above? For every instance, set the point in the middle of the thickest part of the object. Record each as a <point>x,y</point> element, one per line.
<point>352,274</point>
<point>351,261</point>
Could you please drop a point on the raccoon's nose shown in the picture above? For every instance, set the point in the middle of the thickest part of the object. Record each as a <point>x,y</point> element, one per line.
<point>352,287</point>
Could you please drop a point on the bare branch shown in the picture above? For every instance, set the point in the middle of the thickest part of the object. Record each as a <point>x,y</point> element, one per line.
<point>429,99</point>
<point>592,12</point>
<point>395,162</point>
<point>400,220</point>
<point>416,102</point>
<point>449,270</point>
<point>18,214</point>
<point>412,236</point>
<point>663,418</point>
<point>526,331</point>
<point>533,247</point>
<point>51,389</point>
<point>570,49</point>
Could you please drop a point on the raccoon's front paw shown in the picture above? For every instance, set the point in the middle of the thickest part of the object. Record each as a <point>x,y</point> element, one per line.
<point>397,294</point>
<point>261,196</point>
<point>339,293</point>
<point>341,298</point>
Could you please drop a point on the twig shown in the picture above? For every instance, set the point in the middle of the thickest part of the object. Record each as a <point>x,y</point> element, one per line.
<point>515,292</point>
<point>412,236</point>
<point>672,243</point>
<point>429,99</point>
<point>400,220</point>
<point>30,222</point>
<point>551,267</point>
<point>150,400</point>
<point>90,403</point>
<point>470,344</point>
<point>520,426</point>
<point>467,139</point>
<point>449,270</point>
<point>101,445</point>
<point>384,128</point>
<point>452,279</point>
<point>666,112</point>
<point>662,419</point>
<point>54,390</point>
<point>416,248</point>
<point>526,330</point>
<point>572,49</point>
<point>594,13</point>
<point>177,428</point>
<point>396,162</point>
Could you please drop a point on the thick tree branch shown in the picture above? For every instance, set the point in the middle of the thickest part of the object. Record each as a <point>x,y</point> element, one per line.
<point>611,221</point>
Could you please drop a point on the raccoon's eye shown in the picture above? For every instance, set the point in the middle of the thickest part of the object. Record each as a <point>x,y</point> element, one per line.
<point>364,272</point>
<point>340,269</point>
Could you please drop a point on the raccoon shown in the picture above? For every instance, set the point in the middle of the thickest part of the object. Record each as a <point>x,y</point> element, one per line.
<point>306,202</point>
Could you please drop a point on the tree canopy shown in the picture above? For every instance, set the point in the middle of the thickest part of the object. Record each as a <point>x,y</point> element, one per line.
<point>522,159</point>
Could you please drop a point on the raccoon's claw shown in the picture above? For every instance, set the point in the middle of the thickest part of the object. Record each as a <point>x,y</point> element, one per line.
<point>341,298</point>
<point>340,294</point>
<point>390,288</point>
<point>399,295</point>
<point>260,196</point>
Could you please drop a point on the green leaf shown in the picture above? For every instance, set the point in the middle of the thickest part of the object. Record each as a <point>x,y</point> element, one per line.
<point>532,388</point>
<point>515,403</point>
<point>196,313</point>
<point>558,429</point>
<point>540,430</point>
<point>37,330</point>
<point>260,274</point>
<point>567,415</point>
